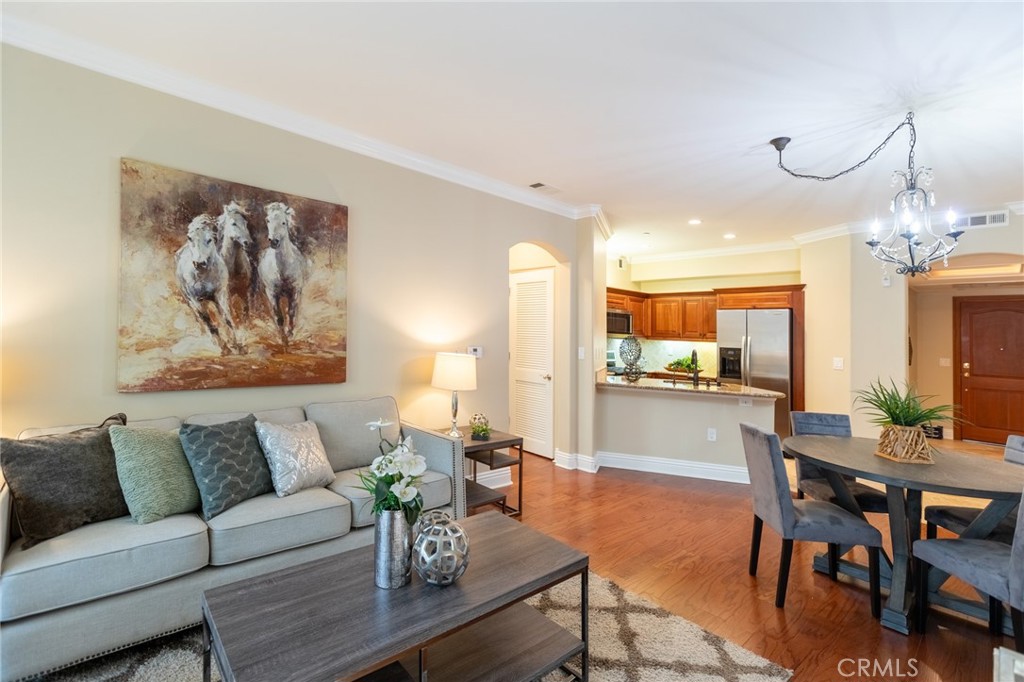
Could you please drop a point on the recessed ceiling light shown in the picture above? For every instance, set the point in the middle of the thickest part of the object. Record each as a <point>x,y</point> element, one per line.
<point>729,235</point>
<point>694,221</point>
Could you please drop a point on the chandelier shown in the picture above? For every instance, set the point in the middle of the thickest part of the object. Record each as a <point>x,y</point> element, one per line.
<point>911,243</point>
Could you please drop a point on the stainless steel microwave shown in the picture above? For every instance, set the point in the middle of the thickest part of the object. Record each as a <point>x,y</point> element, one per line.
<point>620,322</point>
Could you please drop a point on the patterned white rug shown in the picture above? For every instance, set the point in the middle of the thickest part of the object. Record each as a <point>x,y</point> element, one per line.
<point>631,640</point>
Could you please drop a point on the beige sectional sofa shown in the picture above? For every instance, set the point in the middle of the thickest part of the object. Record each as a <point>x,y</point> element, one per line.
<point>113,583</point>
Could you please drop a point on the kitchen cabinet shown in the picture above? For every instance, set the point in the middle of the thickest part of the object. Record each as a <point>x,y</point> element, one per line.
<point>635,303</point>
<point>783,296</point>
<point>666,317</point>
<point>699,321</point>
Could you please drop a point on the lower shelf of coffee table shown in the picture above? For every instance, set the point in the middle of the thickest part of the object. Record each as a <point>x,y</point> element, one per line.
<point>518,644</point>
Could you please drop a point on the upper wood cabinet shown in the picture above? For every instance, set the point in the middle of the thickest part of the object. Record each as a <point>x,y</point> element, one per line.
<point>699,317</point>
<point>634,302</point>
<point>666,317</point>
<point>782,296</point>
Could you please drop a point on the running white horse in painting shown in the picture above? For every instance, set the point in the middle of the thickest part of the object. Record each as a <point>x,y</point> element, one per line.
<point>203,279</point>
<point>237,252</point>
<point>282,269</point>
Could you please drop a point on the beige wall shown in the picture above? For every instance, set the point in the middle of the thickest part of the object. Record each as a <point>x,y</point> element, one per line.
<point>428,259</point>
<point>734,265</point>
<point>708,283</point>
<point>827,297</point>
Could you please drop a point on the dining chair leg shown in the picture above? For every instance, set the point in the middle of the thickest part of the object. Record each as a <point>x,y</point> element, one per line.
<point>874,580</point>
<point>784,561</point>
<point>995,616</point>
<point>755,544</point>
<point>799,494</point>
<point>833,561</point>
<point>1017,618</point>
<point>931,531</point>
<point>922,595</point>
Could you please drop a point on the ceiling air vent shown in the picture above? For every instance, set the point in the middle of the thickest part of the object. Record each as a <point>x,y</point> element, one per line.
<point>546,189</point>
<point>998,219</point>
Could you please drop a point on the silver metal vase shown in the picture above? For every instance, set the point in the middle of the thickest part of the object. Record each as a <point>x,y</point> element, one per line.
<point>392,550</point>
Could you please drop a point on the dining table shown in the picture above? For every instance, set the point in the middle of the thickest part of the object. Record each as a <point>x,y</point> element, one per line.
<point>951,473</point>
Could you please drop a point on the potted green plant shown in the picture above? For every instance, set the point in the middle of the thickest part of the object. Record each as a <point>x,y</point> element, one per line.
<point>480,431</point>
<point>901,414</point>
<point>683,365</point>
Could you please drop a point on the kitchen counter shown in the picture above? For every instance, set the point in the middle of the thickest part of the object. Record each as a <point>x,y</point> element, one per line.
<point>619,383</point>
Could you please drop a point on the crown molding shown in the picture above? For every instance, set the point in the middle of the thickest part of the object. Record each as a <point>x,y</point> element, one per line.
<point>716,253</point>
<point>824,233</point>
<point>62,47</point>
<point>602,222</point>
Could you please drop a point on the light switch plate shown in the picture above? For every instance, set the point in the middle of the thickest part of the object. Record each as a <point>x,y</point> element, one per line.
<point>477,351</point>
<point>837,363</point>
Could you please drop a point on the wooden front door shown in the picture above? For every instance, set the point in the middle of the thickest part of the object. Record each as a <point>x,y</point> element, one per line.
<point>988,344</point>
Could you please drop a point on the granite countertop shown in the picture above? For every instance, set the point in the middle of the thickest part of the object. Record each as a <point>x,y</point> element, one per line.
<point>686,386</point>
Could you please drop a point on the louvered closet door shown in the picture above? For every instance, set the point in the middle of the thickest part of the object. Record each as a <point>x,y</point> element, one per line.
<point>531,358</point>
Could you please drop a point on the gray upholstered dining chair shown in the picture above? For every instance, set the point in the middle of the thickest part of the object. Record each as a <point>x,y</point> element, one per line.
<point>993,568</point>
<point>811,520</point>
<point>810,479</point>
<point>957,519</point>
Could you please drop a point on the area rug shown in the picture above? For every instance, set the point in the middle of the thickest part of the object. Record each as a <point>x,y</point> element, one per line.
<point>631,640</point>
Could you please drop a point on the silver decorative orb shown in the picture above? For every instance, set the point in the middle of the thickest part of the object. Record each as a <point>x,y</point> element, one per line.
<point>440,554</point>
<point>629,351</point>
<point>479,418</point>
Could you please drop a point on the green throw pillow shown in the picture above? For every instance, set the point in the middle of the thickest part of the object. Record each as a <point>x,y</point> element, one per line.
<point>155,476</point>
<point>227,463</point>
<point>63,481</point>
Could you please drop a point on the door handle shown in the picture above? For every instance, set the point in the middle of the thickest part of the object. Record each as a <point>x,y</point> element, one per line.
<point>546,377</point>
<point>967,374</point>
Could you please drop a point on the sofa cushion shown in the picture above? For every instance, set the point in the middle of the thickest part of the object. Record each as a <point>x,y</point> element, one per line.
<point>283,415</point>
<point>60,482</point>
<point>343,429</point>
<point>436,489</point>
<point>295,455</point>
<point>98,560</point>
<point>268,524</point>
<point>227,463</point>
<point>154,473</point>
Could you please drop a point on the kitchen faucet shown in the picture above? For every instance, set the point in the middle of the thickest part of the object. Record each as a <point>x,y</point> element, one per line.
<point>693,368</point>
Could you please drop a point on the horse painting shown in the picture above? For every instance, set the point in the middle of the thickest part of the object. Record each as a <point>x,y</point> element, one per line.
<point>282,269</point>
<point>238,252</point>
<point>203,279</point>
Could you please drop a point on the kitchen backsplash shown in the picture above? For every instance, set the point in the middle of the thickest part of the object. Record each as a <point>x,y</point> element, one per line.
<point>654,355</point>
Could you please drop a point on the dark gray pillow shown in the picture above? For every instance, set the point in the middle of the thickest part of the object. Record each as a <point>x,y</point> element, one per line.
<point>63,481</point>
<point>227,463</point>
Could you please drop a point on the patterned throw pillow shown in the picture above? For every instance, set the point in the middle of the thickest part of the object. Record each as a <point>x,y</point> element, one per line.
<point>296,456</point>
<point>155,476</point>
<point>227,463</point>
<point>63,481</point>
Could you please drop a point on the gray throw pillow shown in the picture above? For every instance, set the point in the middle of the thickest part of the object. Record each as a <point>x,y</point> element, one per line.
<point>296,456</point>
<point>227,463</point>
<point>63,481</point>
<point>155,476</point>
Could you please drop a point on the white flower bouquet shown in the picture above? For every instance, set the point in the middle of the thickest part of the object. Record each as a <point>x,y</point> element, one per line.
<point>394,477</point>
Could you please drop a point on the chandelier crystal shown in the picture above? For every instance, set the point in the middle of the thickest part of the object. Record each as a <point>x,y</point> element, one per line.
<point>911,244</point>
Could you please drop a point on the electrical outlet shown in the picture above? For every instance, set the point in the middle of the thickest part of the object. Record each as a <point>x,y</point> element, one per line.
<point>712,434</point>
<point>477,351</point>
<point>837,363</point>
<point>746,402</point>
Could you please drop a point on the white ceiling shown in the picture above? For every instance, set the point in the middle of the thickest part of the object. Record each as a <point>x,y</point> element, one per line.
<point>657,113</point>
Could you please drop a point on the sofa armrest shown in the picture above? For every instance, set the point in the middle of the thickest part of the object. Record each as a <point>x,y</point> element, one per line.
<point>445,455</point>
<point>6,516</point>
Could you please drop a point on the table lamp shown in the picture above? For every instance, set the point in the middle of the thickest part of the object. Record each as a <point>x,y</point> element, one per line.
<point>454,372</point>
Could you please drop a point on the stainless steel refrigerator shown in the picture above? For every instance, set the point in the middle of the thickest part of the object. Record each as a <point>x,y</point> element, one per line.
<point>755,349</point>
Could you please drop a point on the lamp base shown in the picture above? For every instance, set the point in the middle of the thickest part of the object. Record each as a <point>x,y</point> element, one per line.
<point>454,432</point>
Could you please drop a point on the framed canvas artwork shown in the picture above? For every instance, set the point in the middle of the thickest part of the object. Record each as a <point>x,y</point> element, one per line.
<point>227,285</point>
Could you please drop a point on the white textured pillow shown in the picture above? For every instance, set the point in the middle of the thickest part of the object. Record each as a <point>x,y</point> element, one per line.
<point>296,456</point>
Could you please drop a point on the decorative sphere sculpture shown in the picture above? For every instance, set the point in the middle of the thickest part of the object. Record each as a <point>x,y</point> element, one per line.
<point>479,418</point>
<point>440,554</point>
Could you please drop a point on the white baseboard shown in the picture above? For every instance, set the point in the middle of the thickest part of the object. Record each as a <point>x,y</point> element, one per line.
<point>655,465</point>
<point>495,478</point>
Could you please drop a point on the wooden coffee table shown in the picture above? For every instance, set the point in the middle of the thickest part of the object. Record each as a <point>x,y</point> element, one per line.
<point>325,620</point>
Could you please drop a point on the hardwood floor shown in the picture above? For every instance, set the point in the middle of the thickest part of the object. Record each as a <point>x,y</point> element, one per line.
<point>684,543</point>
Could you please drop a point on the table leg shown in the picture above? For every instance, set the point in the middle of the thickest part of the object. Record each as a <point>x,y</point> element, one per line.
<point>846,500</point>
<point>206,650</point>
<point>519,505</point>
<point>902,507</point>
<point>584,627</point>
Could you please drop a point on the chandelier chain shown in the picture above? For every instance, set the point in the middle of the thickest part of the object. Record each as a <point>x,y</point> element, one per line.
<point>908,121</point>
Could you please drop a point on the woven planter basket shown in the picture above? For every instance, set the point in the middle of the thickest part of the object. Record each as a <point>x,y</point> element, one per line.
<point>904,444</point>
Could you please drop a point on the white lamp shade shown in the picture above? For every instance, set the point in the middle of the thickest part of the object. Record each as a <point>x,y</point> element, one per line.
<point>454,372</point>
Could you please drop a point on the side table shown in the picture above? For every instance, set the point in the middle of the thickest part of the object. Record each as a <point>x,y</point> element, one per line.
<point>486,452</point>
